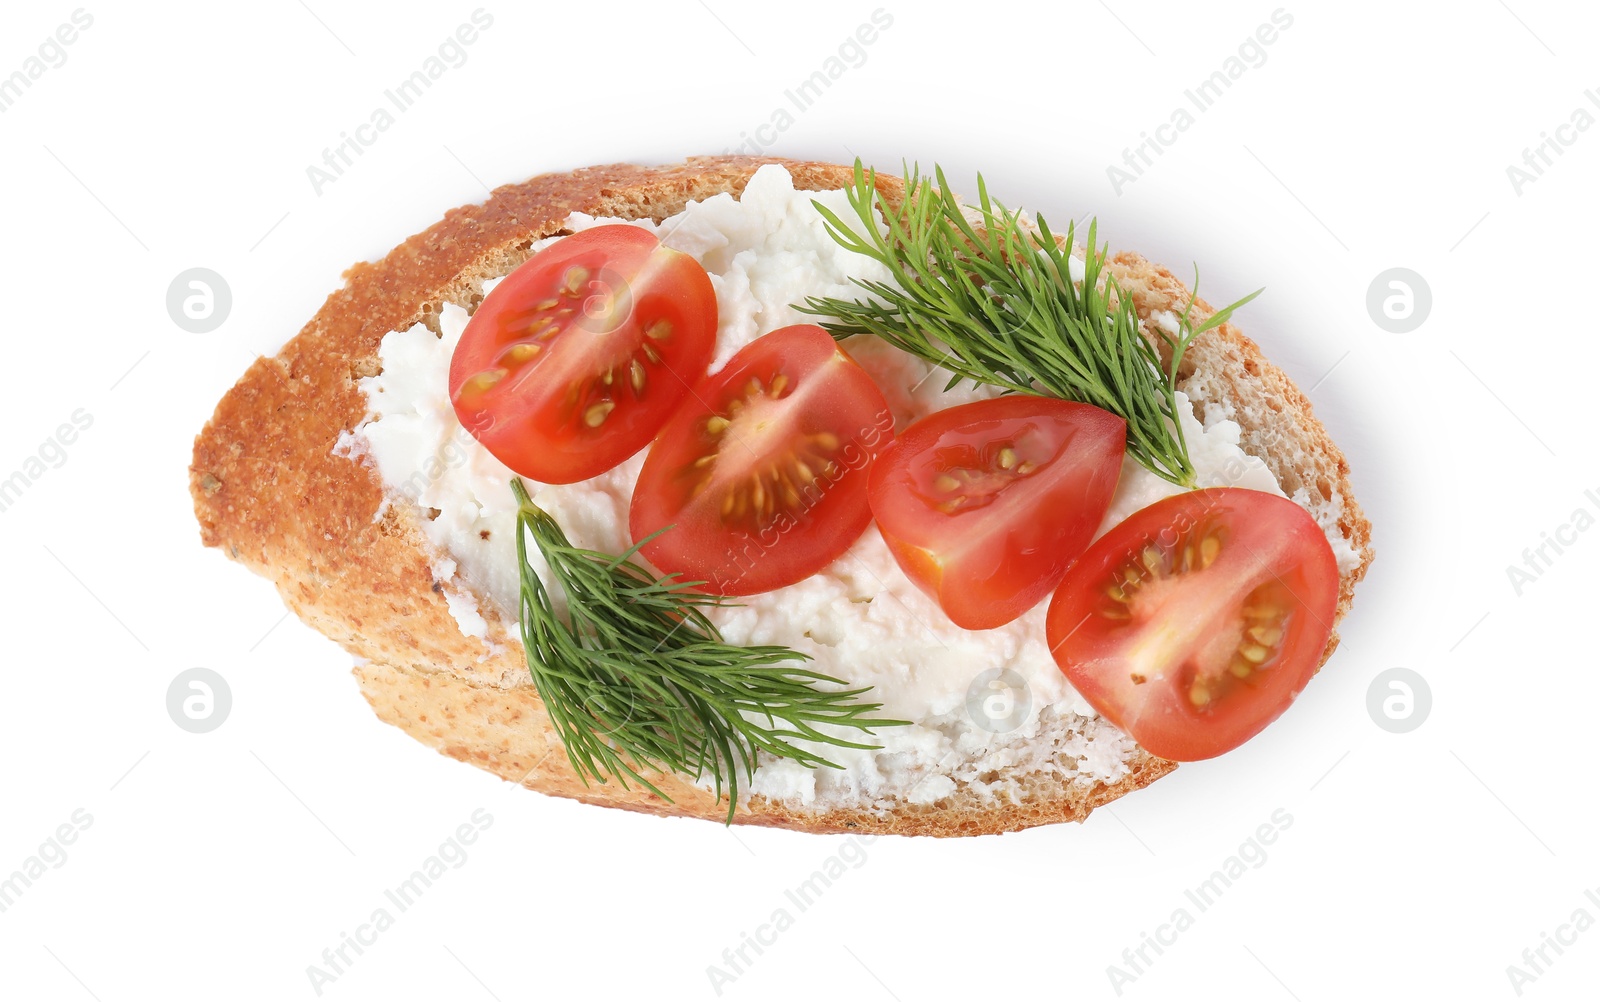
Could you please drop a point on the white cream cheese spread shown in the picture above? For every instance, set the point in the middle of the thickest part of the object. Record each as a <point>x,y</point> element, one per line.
<point>861,619</point>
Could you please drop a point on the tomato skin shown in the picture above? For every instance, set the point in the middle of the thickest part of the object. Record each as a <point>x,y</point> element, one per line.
<point>1194,623</point>
<point>784,490</point>
<point>985,505</point>
<point>577,358</point>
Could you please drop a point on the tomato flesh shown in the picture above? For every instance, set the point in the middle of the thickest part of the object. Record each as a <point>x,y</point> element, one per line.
<point>762,474</point>
<point>1194,623</point>
<point>577,358</point>
<point>986,504</point>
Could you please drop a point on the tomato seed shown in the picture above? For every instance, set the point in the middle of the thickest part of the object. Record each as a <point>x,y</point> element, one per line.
<point>1254,653</point>
<point>482,382</point>
<point>519,353</point>
<point>1266,635</point>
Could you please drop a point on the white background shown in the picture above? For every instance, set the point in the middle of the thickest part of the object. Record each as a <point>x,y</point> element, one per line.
<point>1375,135</point>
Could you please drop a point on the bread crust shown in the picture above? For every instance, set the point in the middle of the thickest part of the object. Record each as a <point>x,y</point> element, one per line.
<point>270,491</point>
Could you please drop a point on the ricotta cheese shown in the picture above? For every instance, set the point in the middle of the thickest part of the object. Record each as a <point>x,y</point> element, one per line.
<point>861,619</point>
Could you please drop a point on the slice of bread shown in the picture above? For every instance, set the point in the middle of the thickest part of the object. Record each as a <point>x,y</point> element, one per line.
<point>271,492</point>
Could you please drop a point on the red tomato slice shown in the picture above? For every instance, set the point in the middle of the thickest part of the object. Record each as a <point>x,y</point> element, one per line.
<point>574,362</point>
<point>763,473</point>
<point>985,505</point>
<point>1195,623</point>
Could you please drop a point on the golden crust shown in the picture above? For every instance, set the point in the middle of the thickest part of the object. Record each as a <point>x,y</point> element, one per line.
<point>271,492</point>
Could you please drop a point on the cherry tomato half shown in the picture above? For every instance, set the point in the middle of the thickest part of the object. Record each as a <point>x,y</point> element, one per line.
<point>1194,623</point>
<point>763,473</point>
<point>986,504</point>
<point>577,358</point>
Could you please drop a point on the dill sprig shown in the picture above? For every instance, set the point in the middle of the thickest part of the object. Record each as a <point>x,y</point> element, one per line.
<point>635,676</point>
<point>992,299</point>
